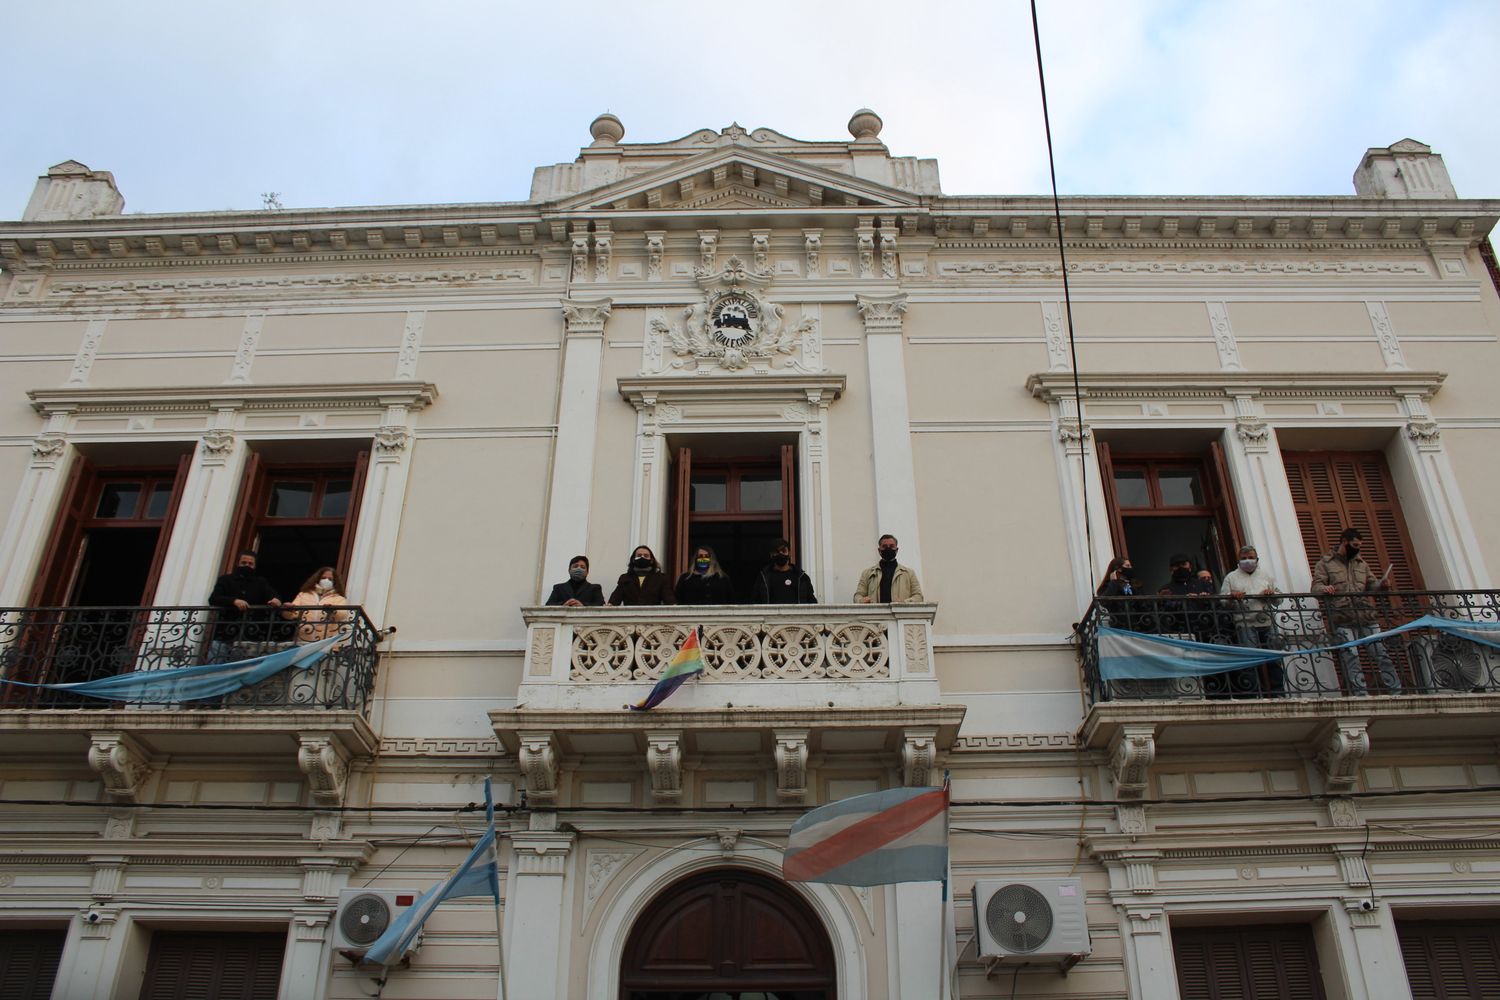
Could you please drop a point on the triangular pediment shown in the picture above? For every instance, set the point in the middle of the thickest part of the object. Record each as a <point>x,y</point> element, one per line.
<point>1410,146</point>
<point>737,178</point>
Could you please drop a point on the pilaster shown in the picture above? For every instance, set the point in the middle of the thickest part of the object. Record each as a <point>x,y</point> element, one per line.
<point>537,912</point>
<point>890,418</point>
<point>1422,451</point>
<point>572,470</point>
<point>381,505</point>
<point>30,522</point>
<point>195,551</point>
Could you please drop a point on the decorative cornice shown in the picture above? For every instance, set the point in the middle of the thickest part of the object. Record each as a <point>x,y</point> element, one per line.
<point>645,391</point>
<point>207,399</point>
<point>1056,386</point>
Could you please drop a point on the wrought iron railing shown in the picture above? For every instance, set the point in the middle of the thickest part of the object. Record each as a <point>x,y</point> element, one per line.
<point>1421,661</point>
<point>67,645</point>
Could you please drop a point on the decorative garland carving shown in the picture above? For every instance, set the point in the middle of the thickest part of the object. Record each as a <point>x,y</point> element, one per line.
<point>734,326</point>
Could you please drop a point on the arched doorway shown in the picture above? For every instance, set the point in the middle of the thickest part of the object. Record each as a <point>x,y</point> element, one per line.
<point>727,934</point>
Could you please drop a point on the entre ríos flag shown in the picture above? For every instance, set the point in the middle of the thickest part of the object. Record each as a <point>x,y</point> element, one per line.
<point>900,835</point>
<point>687,663</point>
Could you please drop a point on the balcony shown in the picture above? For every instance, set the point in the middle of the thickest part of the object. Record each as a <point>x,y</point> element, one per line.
<point>300,710</point>
<point>781,684</point>
<point>1414,685</point>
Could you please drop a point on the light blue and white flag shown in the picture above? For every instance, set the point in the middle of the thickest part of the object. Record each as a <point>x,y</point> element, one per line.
<point>164,687</point>
<point>478,875</point>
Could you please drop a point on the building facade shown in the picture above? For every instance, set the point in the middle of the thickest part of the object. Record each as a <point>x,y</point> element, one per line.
<point>726,339</point>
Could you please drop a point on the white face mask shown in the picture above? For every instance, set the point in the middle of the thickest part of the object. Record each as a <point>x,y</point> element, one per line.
<point>1247,566</point>
<point>325,584</point>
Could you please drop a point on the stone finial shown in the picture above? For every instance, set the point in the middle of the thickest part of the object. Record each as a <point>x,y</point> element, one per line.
<point>606,130</point>
<point>71,190</point>
<point>865,125</point>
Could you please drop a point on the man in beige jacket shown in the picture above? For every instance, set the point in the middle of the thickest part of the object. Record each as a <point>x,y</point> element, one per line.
<point>886,582</point>
<point>1342,573</point>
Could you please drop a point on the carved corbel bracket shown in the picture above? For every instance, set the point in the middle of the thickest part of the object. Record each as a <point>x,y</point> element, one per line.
<point>121,762</point>
<point>664,764</point>
<point>538,758</point>
<point>1340,749</point>
<point>791,763</point>
<point>1130,756</point>
<point>918,756</point>
<point>326,764</point>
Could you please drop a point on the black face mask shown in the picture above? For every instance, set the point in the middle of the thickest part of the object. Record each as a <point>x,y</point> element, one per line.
<point>640,564</point>
<point>1180,574</point>
<point>781,559</point>
<point>888,555</point>
<point>244,571</point>
<point>1128,573</point>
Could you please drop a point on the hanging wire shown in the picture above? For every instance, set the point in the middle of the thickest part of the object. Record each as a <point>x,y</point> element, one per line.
<point>1062,253</point>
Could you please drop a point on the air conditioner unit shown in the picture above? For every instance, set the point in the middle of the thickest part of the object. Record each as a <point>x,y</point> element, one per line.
<point>364,914</point>
<point>1037,921</point>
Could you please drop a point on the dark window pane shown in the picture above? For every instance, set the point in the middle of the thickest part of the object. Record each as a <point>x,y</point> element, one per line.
<point>336,497</point>
<point>119,500</point>
<point>1130,488</point>
<point>159,501</point>
<point>290,499</point>
<point>760,492</point>
<point>710,493</point>
<point>1180,488</point>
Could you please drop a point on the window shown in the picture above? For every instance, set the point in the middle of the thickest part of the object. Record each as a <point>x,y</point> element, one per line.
<point>29,961</point>
<point>1451,960</point>
<point>1163,504</point>
<point>735,506</point>
<point>297,518</point>
<point>233,966</point>
<point>1272,962</point>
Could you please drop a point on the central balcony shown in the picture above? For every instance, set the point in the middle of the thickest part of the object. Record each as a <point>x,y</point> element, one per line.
<point>785,690</point>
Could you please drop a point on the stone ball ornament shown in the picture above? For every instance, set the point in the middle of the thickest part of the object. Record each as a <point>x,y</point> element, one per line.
<point>865,124</point>
<point>606,129</point>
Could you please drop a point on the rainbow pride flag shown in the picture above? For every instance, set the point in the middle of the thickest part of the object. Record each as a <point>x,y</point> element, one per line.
<point>687,663</point>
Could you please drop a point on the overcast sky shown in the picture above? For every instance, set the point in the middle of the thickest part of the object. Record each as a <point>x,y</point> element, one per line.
<point>200,105</point>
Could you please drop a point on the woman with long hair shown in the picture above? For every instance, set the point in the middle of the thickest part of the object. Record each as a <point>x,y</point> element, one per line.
<point>317,608</point>
<point>643,582</point>
<point>705,582</point>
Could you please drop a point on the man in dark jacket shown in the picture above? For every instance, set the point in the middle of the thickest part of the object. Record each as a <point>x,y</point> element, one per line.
<point>780,582</point>
<point>244,601</point>
<point>576,591</point>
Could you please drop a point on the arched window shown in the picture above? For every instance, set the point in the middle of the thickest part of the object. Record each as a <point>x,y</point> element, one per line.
<point>728,934</point>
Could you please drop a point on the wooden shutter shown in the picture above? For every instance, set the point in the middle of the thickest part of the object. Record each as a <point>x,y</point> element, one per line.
<point>1111,499</point>
<point>54,580</point>
<point>229,966</point>
<point>351,516</point>
<point>148,593</point>
<point>1225,510</point>
<point>246,508</point>
<point>682,504</point>
<point>789,497</point>
<point>1272,962</point>
<point>28,963</point>
<point>1451,960</point>
<point>1332,491</point>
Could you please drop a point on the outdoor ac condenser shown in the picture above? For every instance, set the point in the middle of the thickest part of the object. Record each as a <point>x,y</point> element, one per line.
<point>364,914</point>
<point>1037,921</point>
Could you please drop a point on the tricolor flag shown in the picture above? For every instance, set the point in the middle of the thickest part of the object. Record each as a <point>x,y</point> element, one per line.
<point>900,835</point>
<point>687,663</point>
<point>479,875</point>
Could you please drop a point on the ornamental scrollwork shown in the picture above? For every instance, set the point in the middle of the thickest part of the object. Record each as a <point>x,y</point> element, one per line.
<point>734,326</point>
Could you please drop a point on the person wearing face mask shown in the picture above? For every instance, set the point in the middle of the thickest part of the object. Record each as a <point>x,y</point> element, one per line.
<point>576,591</point>
<point>1120,581</point>
<point>781,582</point>
<point>705,582</point>
<point>1252,591</point>
<point>643,583</point>
<point>1341,573</point>
<point>887,582</point>
<point>244,601</point>
<point>316,606</point>
<point>1185,609</point>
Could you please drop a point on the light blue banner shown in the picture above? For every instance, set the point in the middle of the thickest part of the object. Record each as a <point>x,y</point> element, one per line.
<point>1125,655</point>
<point>164,687</point>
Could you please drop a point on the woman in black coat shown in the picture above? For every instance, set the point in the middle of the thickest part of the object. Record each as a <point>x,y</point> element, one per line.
<point>705,582</point>
<point>576,591</point>
<point>643,583</point>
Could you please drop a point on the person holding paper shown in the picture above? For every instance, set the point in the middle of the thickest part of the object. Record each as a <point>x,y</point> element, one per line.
<point>1343,572</point>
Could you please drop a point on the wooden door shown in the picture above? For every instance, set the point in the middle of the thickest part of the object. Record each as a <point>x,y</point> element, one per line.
<point>54,579</point>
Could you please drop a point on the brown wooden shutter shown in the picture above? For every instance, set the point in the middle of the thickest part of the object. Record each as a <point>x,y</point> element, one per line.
<point>351,516</point>
<point>789,498</point>
<point>682,505</point>
<point>1111,499</point>
<point>1272,962</point>
<point>54,579</point>
<point>148,593</point>
<point>1451,960</point>
<point>1225,510</point>
<point>28,962</point>
<point>246,508</point>
<point>1332,491</point>
<point>229,966</point>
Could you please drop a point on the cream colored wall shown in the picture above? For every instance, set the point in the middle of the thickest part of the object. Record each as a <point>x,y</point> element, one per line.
<point>1472,453</point>
<point>492,390</point>
<point>1299,317</point>
<point>178,335</point>
<point>1092,318</point>
<point>611,534</point>
<point>470,539</point>
<point>299,331</point>
<point>970,320</point>
<point>969,383</point>
<point>1312,355</point>
<point>483,327</point>
<point>851,475</point>
<point>1471,369</point>
<point>1187,356</point>
<point>292,369</point>
<point>18,375</point>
